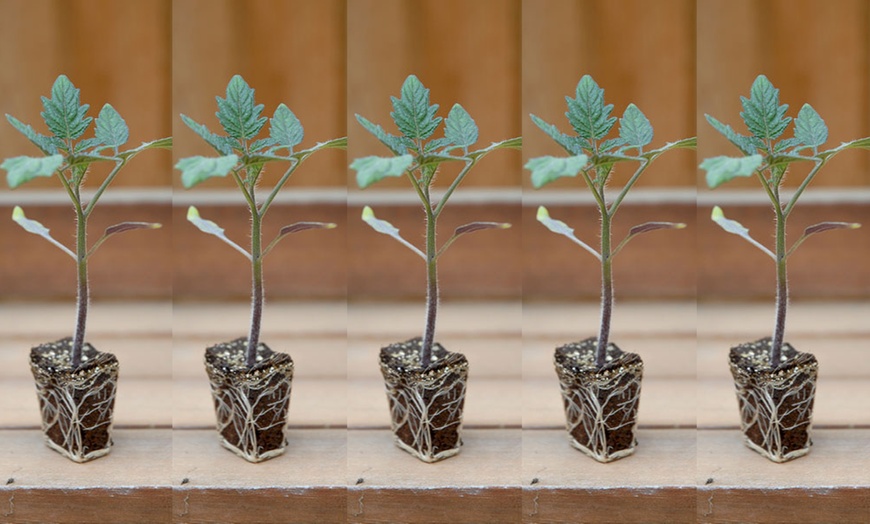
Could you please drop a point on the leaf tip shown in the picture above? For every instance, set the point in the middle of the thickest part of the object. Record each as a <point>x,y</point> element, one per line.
<point>504,225</point>
<point>543,214</point>
<point>679,225</point>
<point>854,225</point>
<point>155,225</point>
<point>717,213</point>
<point>367,213</point>
<point>17,213</point>
<point>329,225</point>
<point>192,213</point>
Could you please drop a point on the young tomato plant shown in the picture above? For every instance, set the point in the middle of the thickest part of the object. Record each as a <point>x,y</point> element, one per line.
<point>68,156</point>
<point>244,158</point>
<point>593,156</point>
<point>767,156</point>
<point>418,156</point>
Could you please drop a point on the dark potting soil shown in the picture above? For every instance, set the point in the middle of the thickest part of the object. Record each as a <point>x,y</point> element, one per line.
<point>50,365</point>
<point>750,367</point>
<point>400,366</point>
<point>575,365</point>
<point>266,383</point>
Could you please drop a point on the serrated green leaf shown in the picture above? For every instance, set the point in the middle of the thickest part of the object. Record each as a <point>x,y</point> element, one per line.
<point>546,169</point>
<point>21,169</point>
<point>285,128</point>
<point>207,226</point>
<point>460,127</point>
<point>197,169</point>
<point>588,113</point>
<point>32,226</point>
<point>763,115</point>
<point>262,143</point>
<point>634,127</point>
<point>83,145</point>
<point>63,114</point>
<point>611,143</point>
<point>736,228</point>
<point>809,127</point>
<point>510,143</point>
<point>47,144</point>
<point>221,144</point>
<point>721,169</point>
<point>393,142</point>
<point>786,143</point>
<point>438,143</point>
<point>372,169</point>
<point>743,143</point>
<point>237,113</point>
<point>569,143</point>
<point>111,128</point>
<point>412,113</point>
<point>160,143</point>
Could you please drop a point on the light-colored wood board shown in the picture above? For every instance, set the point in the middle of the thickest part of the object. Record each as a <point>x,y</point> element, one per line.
<point>312,357</point>
<point>664,458</point>
<point>745,320</point>
<point>839,402</point>
<point>663,403</point>
<point>839,457</point>
<point>225,320</point>
<point>838,357</point>
<point>392,321</point>
<point>489,458</point>
<point>313,458</point>
<point>138,356</point>
<point>139,458</point>
<point>490,356</point>
<point>631,319</point>
<point>138,402</point>
<point>488,402</point>
<point>662,357</point>
<point>42,321</point>
<point>313,403</point>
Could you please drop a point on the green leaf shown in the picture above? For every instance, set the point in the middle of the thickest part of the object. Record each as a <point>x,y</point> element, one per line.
<point>569,143</point>
<point>207,226</point>
<point>63,114</point>
<point>372,169</point>
<point>47,144</point>
<point>634,127</point>
<point>21,169</point>
<point>744,143</point>
<point>412,113</point>
<point>588,114</point>
<point>263,143</point>
<point>546,169</point>
<point>160,143</point>
<point>221,144</point>
<point>32,226</point>
<point>237,113</point>
<point>510,143</point>
<point>809,127</point>
<point>611,143</point>
<point>197,169</point>
<point>721,169</point>
<point>111,129</point>
<point>763,115</point>
<point>285,128</point>
<point>736,228</point>
<point>384,227</point>
<point>460,128</point>
<point>395,143</point>
<point>561,228</point>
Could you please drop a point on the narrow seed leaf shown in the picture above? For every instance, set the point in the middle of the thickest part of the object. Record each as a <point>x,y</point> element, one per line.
<point>744,143</point>
<point>763,115</point>
<point>721,169</point>
<point>111,129</point>
<point>304,226</point>
<point>588,113</point>
<point>653,226</point>
<point>634,127</point>
<point>384,227</point>
<point>285,128</point>
<point>32,226</point>
<point>129,226</point>
<point>21,169</point>
<point>372,169</point>
<point>479,226</point>
<point>48,145</point>
<point>546,169</point>
<point>221,144</point>
<point>237,113</point>
<point>828,226</point>
<point>207,226</point>
<point>63,113</point>
<point>809,128</point>
<point>412,113</point>
<point>460,128</point>
<point>736,228</point>
<point>569,143</point>
<point>197,169</point>
<point>561,228</point>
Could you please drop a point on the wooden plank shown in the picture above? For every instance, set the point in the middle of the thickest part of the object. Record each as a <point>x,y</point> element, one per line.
<point>808,319</point>
<point>481,484</point>
<point>461,319</point>
<point>831,484</point>
<point>305,484</point>
<point>106,319</point>
<point>656,484</point>
<point>640,318</point>
<point>310,318</point>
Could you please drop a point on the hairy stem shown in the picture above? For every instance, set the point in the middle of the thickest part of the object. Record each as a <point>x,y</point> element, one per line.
<point>256,287</point>
<point>781,287</point>
<point>82,277</point>
<point>431,286</point>
<point>606,292</point>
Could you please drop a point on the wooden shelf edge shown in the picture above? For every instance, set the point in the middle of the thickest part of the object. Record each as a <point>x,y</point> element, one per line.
<point>626,505</point>
<point>262,505</point>
<point>482,505</point>
<point>120,505</point>
<point>762,506</point>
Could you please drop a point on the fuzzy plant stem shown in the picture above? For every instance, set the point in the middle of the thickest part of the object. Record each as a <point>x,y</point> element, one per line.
<point>82,288</point>
<point>781,289</point>
<point>431,290</point>
<point>256,289</point>
<point>606,292</point>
